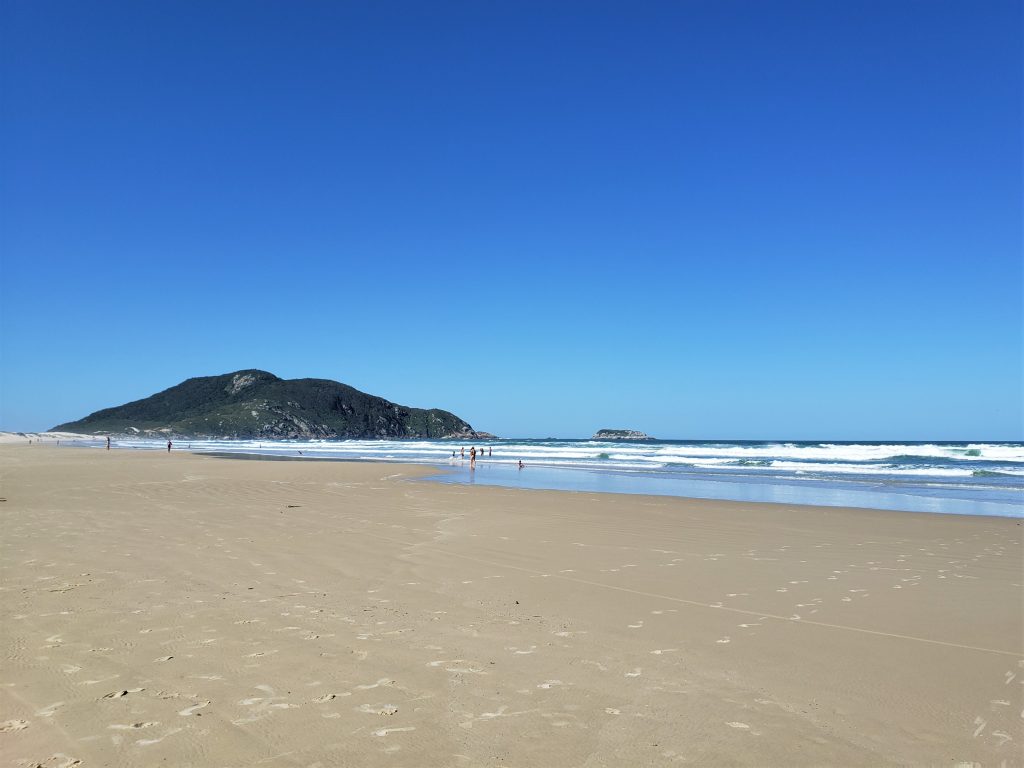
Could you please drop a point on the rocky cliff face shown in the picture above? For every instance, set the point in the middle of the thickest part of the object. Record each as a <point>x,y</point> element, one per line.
<point>257,404</point>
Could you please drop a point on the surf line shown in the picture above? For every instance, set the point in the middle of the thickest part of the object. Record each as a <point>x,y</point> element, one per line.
<point>684,601</point>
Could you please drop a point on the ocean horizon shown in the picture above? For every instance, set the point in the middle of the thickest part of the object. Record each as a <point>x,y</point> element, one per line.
<point>971,478</point>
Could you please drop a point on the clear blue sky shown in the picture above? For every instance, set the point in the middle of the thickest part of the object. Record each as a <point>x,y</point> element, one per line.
<point>696,218</point>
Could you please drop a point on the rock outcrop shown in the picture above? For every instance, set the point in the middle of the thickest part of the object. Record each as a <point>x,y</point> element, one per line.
<point>257,404</point>
<point>620,434</point>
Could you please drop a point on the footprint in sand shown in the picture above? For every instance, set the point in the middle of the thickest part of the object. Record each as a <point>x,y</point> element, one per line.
<point>378,709</point>
<point>329,697</point>
<point>119,694</point>
<point>386,731</point>
<point>132,726</point>
<point>467,667</point>
<point>13,725</point>
<point>59,760</point>
<point>636,626</point>
<point>50,710</point>
<point>191,710</point>
<point>550,684</point>
<point>164,658</point>
<point>660,651</point>
<point>389,681</point>
<point>101,680</point>
<point>741,726</point>
<point>149,742</point>
<point>635,673</point>
<point>520,651</point>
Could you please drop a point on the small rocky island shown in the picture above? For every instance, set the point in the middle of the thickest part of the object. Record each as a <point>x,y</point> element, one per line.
<point>620,434</point>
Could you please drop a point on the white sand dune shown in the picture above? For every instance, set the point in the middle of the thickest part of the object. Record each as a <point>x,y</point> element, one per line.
<point>20,438</point>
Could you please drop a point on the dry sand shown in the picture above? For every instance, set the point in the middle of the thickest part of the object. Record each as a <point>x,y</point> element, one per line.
<point>191,611</point>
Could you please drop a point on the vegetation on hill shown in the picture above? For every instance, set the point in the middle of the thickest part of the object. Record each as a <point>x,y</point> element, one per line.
<point>257,404</point>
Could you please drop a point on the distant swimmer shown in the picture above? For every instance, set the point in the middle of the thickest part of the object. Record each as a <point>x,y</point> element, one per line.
<point>169,446</point>
<point>453,454</point>
<point>472,458</point>
<point>521,465</point>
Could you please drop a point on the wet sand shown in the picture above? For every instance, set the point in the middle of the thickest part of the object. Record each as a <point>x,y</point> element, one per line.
<point>190,611</point>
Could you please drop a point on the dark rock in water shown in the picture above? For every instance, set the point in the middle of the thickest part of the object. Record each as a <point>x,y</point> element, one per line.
<point>620,434</point>
<point>256,404</point>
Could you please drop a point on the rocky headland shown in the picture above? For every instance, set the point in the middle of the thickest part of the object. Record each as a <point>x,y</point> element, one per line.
<point>256,404</point>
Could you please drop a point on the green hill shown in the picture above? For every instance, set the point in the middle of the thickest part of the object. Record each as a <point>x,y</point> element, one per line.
<point>257,404</point>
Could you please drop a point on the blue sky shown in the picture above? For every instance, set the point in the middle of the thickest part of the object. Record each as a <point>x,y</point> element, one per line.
<point>698,219</point>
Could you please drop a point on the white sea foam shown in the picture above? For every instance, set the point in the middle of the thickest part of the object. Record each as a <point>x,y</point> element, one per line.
<point>894,460</point>
<point>964,478</point>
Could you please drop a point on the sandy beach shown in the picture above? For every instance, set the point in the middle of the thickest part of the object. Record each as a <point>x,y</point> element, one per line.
<point>184,610</point>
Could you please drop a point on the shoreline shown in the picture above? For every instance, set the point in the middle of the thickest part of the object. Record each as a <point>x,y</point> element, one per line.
<point>171,608</point>
<point>432,471</point>
<point>922,496</point>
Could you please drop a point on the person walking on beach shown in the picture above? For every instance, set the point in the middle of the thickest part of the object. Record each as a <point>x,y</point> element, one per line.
<point>489,449</point>
<point>108,442</point>
<point>168,446</point>
<point>521,465</point>
<point>463,451</point>
<point>472,458</point>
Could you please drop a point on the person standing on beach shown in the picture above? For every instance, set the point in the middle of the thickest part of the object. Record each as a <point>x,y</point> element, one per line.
<point>463,451</point>
<point>168,446</point>
<point>108,442</point>
<point>489,449</point>
<point>472,458</point>
<point>521,465</point>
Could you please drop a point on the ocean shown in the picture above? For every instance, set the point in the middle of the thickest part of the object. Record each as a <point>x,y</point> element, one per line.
<point>983,478</point>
